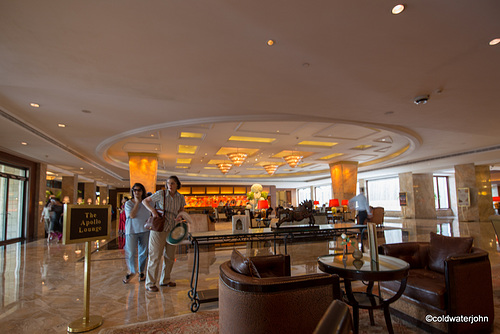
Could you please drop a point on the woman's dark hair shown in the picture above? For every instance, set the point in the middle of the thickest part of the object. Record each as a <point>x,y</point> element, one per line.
<point>176,179</point>
<point>143,195</point>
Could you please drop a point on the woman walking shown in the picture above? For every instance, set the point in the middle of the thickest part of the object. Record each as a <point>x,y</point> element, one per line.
<point>172,203</point>
<point>136,236</point>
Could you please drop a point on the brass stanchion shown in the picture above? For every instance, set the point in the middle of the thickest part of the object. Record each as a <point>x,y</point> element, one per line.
<point>88,322</point>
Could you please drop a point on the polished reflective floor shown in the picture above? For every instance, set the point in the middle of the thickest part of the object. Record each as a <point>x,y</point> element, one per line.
<point>42,290</point>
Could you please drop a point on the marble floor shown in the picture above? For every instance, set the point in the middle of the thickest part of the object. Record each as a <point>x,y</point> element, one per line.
<point>42,290</point>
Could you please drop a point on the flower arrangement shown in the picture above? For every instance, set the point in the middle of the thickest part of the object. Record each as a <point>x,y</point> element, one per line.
<point>346,240</point>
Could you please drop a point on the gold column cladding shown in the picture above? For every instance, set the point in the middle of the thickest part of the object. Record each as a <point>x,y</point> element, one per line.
<point>143,168</point>
<point>344,176</point>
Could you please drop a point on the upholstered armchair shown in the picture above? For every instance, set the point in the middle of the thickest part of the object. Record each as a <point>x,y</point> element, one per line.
<point>377,216</point>
<point>258,295</point>
<point>447,277</point>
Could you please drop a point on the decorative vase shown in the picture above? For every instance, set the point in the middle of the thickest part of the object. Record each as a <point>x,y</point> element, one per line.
<point>344,254</point>
<point>357,254</point>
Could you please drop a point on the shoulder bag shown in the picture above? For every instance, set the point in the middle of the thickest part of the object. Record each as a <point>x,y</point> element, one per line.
<point>157,224</point>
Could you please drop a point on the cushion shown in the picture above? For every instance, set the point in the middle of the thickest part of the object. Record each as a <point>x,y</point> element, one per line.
<point>243,265</point>
<point>442,247</point>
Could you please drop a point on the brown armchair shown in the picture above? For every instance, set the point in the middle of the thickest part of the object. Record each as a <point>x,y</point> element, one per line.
<point>258,295</point>
<point>377,216</point>
<point>447,277</point>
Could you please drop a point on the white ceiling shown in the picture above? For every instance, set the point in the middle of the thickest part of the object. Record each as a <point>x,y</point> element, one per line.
<point>116,73</point>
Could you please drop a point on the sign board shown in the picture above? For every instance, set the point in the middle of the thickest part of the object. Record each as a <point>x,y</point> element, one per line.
<point>86,223</point>
<point>463,196</point>
<point>402,199</point>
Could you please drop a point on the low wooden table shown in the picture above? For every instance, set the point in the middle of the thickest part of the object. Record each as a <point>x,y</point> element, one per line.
<point>388,269</point>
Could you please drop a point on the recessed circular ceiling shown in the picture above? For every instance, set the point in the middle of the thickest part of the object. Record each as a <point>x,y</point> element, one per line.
<point>195,150</point>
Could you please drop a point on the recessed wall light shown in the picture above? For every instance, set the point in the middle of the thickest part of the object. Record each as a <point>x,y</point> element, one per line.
<point>495,41</point>
<point>61,125</point>
<point>34,105</point>
<point>270,42</point>
<point>398,9</point>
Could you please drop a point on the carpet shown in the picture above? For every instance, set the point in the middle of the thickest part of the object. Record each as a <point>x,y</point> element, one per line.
<point>208,322</point>
<point>202,322</point>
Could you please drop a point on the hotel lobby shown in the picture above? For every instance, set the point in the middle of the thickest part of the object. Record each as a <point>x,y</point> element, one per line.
<point>310,100</point>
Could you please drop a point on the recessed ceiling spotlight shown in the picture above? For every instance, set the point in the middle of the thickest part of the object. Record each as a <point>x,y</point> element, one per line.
<point>389,113</point>
<point>86,111</point>
<point>270,42</point>
<point>422,99</point>
<point>398,9</point>
<point>61,125</point>
<point>34,105</point>
<point>24,143</point>
<point>495,41</point>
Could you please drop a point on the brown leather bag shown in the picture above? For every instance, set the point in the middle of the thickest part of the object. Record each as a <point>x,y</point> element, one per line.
<point>156,224</point>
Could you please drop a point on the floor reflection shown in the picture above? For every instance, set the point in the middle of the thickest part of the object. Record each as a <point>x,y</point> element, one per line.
<point>41,285</point>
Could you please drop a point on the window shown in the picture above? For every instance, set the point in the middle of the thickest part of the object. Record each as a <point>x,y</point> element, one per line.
<point>441,197</point>
<point>384,193</point>
<point>323,194</point>
<point>304,194</point>
<point>12,202</point>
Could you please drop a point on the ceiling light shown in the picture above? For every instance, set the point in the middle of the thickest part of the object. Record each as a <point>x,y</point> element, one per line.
<point>34,105</point>
<point>225,167</point>
<point>328,157</point>
<point>61,125</point>
<point>270,42</point>
<point>271,169</point>
<point>252,139</point>
<point>398,9</point>
<point>24,143</point>
<point>187,149</point>
<point>495,41</point>
<point>292,160</point>
<point>191,135</point>
<point>184,161</point>
<point>317,143</point>
<point>237,158</point>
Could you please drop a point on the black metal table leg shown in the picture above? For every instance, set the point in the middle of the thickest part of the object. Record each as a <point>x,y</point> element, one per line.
<point>192,294</point>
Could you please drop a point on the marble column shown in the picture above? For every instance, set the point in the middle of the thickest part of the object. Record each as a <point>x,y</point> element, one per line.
<point>89,193</point>
<point>104,195</point>
<point>419,189</point>
<point>70,188</point>
<point>473,182</point>
<point>344,176</point>
<point>143,168</point>
<point>41,177</point>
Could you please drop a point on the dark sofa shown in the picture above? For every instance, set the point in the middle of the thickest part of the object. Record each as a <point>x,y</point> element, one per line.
<point>448,277</point>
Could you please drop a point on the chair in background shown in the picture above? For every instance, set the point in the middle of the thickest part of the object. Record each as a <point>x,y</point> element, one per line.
<point>377,215</point>
<point>258,295</point>
<point>336,320</point>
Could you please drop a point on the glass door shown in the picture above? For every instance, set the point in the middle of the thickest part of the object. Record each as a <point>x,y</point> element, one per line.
<point>12,202</point>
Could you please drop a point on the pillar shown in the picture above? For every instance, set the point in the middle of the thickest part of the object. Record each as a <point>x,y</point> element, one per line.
<point>419,189</point>
<point>344,176</point>
<point>143,168</point>
<point>41,177</point>
<point>473,182</point>
<point>69,189</point>
<point>89,193</point>
<point>104,195</point>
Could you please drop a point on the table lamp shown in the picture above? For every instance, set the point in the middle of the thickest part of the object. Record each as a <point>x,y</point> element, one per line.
<point>334,203</point>
<point>263,206</point>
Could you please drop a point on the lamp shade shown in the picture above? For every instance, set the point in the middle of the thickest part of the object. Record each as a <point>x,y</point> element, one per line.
<point>333,203</point>
<point>262,205</point>
<point>496,198</point>
<point>345,202</point>
<point>316,202</point>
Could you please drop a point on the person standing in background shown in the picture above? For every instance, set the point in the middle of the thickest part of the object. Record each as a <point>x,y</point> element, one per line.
<point>158,246</point>
<point>55,209</point>
<point>362,206</point>
<point>121,225</point>
<point>136,236</point>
